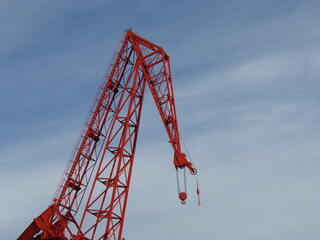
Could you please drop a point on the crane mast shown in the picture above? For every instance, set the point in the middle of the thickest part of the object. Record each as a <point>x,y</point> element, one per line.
<point>91,199</point>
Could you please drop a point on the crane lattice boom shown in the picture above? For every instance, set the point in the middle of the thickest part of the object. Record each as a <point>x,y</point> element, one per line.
<point>91,200</point>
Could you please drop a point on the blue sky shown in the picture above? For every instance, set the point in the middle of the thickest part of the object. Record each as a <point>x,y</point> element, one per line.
<point>246,77</point>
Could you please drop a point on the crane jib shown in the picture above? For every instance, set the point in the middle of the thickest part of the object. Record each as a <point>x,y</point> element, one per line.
<point>91,200</point>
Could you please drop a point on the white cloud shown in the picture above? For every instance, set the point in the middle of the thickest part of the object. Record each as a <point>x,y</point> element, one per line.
<point>248,113</point>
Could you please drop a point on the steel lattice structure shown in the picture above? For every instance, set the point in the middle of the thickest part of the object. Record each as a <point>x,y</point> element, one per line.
<point>91,200</point>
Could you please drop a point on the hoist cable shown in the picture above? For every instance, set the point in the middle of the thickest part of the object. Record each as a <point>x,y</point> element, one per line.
<point>197,180</point>
<point>178,180</point>
<point>185,180</point>
<point>185,147</point>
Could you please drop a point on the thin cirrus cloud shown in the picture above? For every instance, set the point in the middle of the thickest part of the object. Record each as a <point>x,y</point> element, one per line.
<point>246,87</point>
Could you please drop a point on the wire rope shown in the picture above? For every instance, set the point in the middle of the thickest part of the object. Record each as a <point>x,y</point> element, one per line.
<point>197,180</point>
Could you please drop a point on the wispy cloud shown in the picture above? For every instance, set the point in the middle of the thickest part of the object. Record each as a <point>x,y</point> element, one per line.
<point>246,81</point>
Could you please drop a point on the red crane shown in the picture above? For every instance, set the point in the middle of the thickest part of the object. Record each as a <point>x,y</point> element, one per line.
<point>91,200</point>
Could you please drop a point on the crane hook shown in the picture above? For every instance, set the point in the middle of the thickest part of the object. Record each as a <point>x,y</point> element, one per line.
<point>183,196</point>
<point>198,193</point>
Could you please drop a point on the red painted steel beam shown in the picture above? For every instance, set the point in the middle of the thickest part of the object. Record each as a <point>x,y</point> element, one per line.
<point>91,200</point>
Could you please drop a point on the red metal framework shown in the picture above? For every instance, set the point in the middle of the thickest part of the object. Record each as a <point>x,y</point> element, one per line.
<point>91,200</point>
